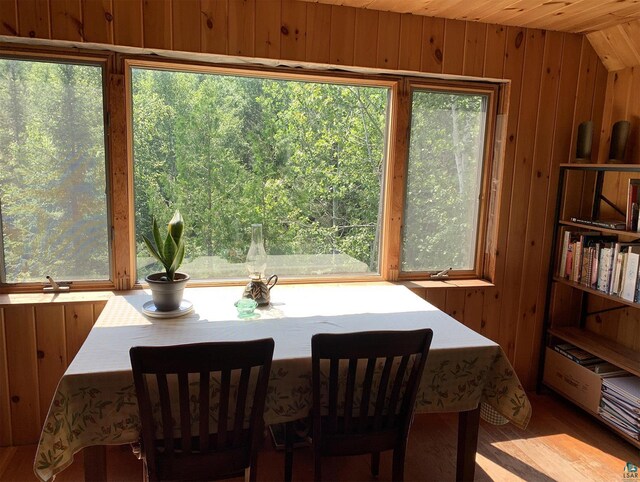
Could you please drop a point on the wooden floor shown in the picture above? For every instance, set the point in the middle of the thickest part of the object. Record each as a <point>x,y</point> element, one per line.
<point>560,444</point>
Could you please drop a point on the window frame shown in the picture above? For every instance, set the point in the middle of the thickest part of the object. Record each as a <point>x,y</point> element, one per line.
<point>105,61</point>
<point>390,82</point>
<point>117,97</point>
<point>483,234</point>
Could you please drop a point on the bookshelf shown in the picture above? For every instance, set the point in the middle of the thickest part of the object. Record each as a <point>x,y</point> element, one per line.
<point>580,310</point>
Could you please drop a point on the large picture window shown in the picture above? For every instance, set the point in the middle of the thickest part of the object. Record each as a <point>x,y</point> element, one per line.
<point>352,176</point>
<point>444,181</point>
<point>53,201</point>
<point>305,158</point>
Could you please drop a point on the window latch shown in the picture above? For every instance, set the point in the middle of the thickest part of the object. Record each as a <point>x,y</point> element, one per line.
<point>55,286</point>
<point>444,274</point>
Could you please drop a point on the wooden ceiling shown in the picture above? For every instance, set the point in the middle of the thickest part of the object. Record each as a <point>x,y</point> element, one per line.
<point>612,26</point>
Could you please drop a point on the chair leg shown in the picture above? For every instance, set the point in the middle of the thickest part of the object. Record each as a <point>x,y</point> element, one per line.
<point>398,463</point>
<point>375,463</point>
<point>317,466</point>
<point>288,451</point>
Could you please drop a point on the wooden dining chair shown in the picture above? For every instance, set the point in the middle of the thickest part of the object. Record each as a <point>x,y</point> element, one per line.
<point>366,405</point>
<point>220,388</point>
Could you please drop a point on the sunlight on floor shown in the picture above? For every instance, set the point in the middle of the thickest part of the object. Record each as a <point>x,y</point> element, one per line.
<point>497,472</point>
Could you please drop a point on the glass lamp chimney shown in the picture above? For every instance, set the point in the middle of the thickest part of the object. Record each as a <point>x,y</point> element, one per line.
<point>257,256</point>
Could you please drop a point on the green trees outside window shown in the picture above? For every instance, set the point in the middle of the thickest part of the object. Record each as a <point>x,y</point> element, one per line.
<point>304,159</point>
<point>303,156</point>
<point>444,181</point>
<point>53,202</point>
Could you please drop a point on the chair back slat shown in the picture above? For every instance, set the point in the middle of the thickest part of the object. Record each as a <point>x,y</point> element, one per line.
<point>165,408</point>
<point>333,393</point>
<point>398,381</point>
<point>366,393</point>
<point>378,410</point>
<point>348,396</point>
<point>185,413</point>
<point>213,452</point>
<point>203,402</point>
<point>241,401</point>
<point>223,412</point>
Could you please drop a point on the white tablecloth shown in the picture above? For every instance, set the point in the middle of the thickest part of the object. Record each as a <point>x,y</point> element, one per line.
<point>95,401</point>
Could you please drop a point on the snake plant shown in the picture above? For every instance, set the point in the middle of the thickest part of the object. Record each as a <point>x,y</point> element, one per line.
<point>170,251</point>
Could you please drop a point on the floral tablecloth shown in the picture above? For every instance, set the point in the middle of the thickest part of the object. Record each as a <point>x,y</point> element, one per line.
<point>95,403</point>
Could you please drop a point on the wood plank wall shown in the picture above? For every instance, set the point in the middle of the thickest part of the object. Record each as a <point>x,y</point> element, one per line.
<point>556,82</point>
<point>37,343</point>
<point>622,103</point>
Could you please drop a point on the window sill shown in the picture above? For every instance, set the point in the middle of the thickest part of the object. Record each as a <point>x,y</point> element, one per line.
<point>446,283</point>
<point>60,297</point>
<point>96,296</point>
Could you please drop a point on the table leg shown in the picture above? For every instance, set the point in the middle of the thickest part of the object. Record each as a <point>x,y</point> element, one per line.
<point>95,463</point>
<point>468,424</point>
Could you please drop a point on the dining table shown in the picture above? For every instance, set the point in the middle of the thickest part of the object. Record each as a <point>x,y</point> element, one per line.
<point>95,402</point>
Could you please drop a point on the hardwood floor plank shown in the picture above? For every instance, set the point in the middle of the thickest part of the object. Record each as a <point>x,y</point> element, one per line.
<point>561,443</point>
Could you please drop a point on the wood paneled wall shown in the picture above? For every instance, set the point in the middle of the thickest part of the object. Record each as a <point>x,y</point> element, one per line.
<point>37,343</point>
<point>622,103</point>
<point>556,82</point>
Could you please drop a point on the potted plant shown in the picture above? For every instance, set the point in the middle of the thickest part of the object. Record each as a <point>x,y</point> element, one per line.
<point>167,287</point>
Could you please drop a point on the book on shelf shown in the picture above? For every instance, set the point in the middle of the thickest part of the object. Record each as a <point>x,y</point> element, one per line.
<point>619,265</point>
<point>636,297</point>
<point>591,245</point>
<point>630,277</point>
<point>566,239</point>
<point>576,354</point>
<point>579,256</point>
<point>601,223</point>
<point>601,262</point>
<point>633,195</point>
<point>586,266</point>
<point>604,270</point>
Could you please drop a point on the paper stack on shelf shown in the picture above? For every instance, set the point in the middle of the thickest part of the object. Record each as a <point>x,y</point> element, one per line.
<point>576,354</point>
<point>607,370</point>
<point>620,404</point>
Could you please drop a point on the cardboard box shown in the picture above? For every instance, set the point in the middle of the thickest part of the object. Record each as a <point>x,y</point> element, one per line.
<point>577,383</point>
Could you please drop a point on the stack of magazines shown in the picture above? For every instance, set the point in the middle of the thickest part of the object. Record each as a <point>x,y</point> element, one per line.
<point>578,355</point>
<point>620,404</point>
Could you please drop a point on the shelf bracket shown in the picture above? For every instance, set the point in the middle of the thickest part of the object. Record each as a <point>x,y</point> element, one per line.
<point>616,208</point>
<point>597,312</point>
<point>599,197</point>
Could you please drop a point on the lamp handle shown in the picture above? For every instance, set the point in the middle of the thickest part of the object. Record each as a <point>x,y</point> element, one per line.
<point>273,277</point>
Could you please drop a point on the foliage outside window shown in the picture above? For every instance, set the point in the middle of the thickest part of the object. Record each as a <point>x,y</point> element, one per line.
<point>53,204</point>
<point>304,158</point>
<point>444,181</point>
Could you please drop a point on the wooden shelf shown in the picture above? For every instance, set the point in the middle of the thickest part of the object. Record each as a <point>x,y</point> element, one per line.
<point>621,356</point>
<point>585,393</point>
<point>602,167</point>
<point>599,293</point>
<point>619,232</point>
